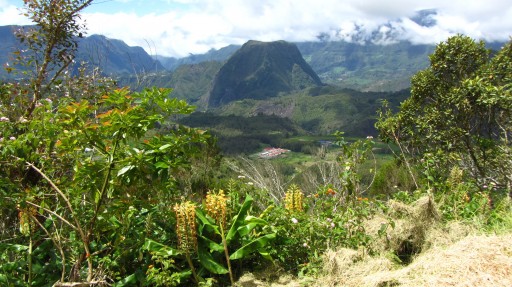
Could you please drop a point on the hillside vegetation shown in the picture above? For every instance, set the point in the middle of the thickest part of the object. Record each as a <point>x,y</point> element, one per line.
<point>260,71</point>
<point>103,186</point>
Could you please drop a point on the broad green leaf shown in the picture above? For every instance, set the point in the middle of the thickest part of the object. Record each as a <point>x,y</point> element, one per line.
<point>251,222</point>
<point>161,164</point>
<point>252,246</point>
<point>205,223</point>
<point>210,244</point>
<point>130,280</point>
<point>165,146</point>
<point>13,247</point>
<point>115,222</point>
<point>239,218</point>
<point>206,259</point>
<point>266,255</point>
<point>159,248</point>
<point>125,170</point>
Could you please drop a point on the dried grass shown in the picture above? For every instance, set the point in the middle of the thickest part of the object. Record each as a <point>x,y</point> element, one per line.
<point>412,224</point>
<point>451,255</point>
<point>347,267</point>
<point>484,261</point>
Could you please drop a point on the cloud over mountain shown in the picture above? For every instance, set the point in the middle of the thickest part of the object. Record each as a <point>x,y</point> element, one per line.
<point>180,27</point>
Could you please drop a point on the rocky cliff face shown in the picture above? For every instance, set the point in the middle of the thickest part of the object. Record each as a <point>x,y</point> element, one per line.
<point>261,70</point>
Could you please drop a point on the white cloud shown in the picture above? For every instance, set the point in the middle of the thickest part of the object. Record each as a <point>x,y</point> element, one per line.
<point>206,24</point>
<point>10,14</point>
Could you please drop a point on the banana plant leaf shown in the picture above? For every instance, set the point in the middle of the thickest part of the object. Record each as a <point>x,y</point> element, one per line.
<point>210,244</point>
<point>205,223</point>
<point>251,222</point>
<point>239,219</point>
<point>208,262</point>
<point>252,246</point>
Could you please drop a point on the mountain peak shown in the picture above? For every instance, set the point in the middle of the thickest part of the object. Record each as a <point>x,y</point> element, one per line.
<point>260,70</point>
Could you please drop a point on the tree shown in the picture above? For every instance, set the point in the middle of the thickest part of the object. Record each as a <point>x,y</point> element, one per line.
<point>82,165</point>
<point>458,112</point>
<point>51,43</point>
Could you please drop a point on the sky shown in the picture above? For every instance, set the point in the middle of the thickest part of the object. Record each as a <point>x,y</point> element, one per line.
<point>178,28</point>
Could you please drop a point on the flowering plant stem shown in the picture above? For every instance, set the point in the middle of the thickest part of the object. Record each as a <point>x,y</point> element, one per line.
<point>226,253</point>
<point>191,265</point>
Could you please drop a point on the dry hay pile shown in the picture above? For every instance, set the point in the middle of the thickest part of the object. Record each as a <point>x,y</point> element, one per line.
<point>437,255</point>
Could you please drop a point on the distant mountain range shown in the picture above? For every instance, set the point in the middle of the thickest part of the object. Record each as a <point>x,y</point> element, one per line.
<point>321,86</point>
<point>111,56</point>
<point>368,67</point>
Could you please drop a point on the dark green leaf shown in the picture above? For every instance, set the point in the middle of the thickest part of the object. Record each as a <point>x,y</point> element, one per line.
<point>210,244</point>
<point>206,259</point>
<point>252,246</point>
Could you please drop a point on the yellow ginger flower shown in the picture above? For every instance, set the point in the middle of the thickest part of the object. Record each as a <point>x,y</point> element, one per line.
<point>216,206</point>
<point>293,198</point>
<point>186,226</point>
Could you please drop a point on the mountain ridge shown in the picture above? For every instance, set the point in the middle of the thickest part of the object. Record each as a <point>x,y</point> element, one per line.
<point>111,56</point>
<point>261,70</point>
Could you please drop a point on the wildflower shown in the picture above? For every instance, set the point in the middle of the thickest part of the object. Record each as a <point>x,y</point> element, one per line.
<point>330,191</point>
<point>1,139</point>
<point>186,226</point>
<point>305,245</point>
<point>328,219</point>
<point>250,183</point>
<point>12,138</point>
<point>216,207</point>
<point>23,120</point>
<point>293,198</point>
<point>294,220</point>
<point>369,137</point>
<point>4,119</point>
<point>48,100</point>
<point>241,176</point>
<point>333,225</point>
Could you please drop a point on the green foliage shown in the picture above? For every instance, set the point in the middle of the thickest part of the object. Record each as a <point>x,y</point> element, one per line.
<point>163,271</point>
<point>239,240</point>
<point>89,173</point>
<point>391,177</point>
<point>320,110</point>
<point>303,236</point>
<point>76,156</point>
<point>329,218</point>
<point>241,134</point>
<point>460,106</point>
